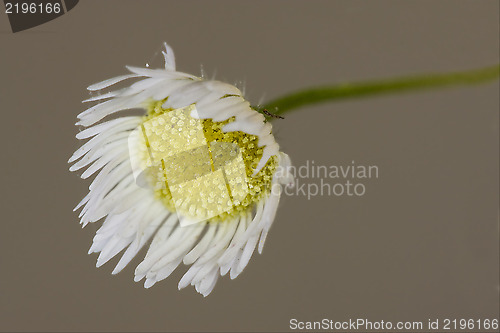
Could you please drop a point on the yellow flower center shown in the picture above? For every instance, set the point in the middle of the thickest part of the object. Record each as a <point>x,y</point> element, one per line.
<point>198,170</point>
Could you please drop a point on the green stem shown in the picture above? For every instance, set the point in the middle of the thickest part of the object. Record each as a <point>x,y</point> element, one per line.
<point>368,88</point>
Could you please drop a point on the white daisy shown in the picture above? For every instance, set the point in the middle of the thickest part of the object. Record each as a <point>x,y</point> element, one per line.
<point>199,173</point>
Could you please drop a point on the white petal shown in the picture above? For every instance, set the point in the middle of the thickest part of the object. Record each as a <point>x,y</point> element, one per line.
<point>133,215</point>
<point>110,82</point>
<point>169,56</point>
<point>188,276</point>
<point>247,252</point>
<point>201,247</point>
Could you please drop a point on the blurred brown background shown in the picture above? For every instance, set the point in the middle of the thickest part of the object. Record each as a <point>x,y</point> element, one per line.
<point>422,243</point>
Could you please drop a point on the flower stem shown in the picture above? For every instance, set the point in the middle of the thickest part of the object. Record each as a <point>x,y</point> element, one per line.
<point>332,93</point>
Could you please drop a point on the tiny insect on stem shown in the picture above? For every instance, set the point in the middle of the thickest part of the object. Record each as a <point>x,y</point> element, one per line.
<point>272,114</point>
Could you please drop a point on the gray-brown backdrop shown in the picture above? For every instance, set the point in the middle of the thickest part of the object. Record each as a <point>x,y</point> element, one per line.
<point>421,244</point>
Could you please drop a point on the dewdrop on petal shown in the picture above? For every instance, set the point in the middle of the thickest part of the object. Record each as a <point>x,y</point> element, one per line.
<point>196,179</point>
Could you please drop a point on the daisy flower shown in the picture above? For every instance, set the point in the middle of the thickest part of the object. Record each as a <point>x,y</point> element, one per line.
<point>196,178</point>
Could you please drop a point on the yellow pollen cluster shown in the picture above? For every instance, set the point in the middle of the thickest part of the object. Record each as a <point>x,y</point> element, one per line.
<point>198,170</point>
